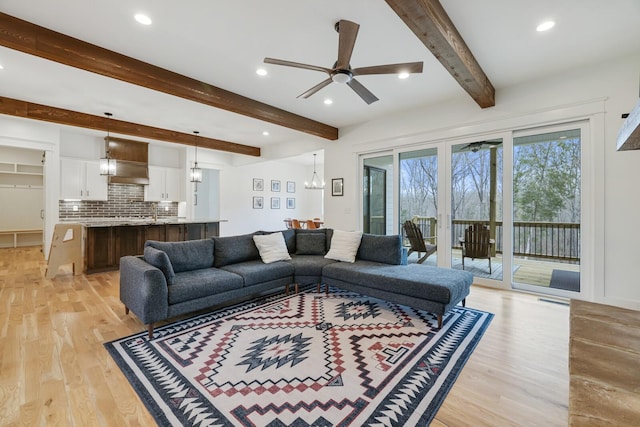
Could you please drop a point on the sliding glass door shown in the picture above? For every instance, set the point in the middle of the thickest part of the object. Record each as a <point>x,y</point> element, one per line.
<point>418,198</point>
<point>475,211</point>
<point>547,210</point>
<point>507,207</point>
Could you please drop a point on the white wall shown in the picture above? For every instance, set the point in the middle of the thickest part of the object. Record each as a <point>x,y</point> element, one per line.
<point>600,93</point>
<point>236,196</point>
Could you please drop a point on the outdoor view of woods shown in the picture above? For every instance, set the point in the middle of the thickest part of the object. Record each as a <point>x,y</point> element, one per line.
<point>546,192</point>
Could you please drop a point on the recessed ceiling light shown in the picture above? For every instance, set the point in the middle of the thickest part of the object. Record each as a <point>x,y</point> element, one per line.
<point>328,101</point>
<point>545,26</point>
<point>403,75</point>
<point>143,19</point>
<point>265,133</point>
<point>261,72</point>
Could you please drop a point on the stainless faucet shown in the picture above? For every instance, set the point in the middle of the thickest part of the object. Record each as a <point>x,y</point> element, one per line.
<point>154,211</point>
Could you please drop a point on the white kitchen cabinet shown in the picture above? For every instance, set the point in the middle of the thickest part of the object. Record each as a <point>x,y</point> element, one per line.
<point>81,179</point>
<point>165,185</point>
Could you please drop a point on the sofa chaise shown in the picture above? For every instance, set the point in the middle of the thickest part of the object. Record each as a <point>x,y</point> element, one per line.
<point>175,278</point>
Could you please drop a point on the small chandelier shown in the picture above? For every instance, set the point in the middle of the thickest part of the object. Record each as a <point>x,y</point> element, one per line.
<point>316,183</point>
<point>107,164</point>
<point>196,172</point>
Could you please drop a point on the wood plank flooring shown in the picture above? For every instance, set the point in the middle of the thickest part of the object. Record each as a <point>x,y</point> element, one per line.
<point>55,371</point>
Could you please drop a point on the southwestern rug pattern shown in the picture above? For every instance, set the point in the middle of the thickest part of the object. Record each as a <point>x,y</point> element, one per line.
<point>309,359</point>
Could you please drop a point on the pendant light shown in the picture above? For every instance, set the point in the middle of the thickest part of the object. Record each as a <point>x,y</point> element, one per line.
<point>107,164</point>
<point>196,172</point>
<point>316,183</point>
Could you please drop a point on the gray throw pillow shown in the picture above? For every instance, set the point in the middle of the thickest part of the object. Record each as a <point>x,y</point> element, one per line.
<point>310,244</point>
<point>160,260</point>
<point>386,249</point>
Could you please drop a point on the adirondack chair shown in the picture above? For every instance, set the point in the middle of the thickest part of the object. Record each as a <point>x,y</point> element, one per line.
<point>418,243</point>
<point>476,243</point>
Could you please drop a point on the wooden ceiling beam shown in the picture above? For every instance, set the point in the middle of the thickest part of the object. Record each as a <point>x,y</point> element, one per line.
<point>29,110</point>
<point>431,24</point>
<point>29,38</point>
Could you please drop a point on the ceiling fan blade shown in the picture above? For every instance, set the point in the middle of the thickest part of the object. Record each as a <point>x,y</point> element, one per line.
<point>315,89</point>
<point>348,32</point>
<point>362,91</point>
<point>408,67</point>
<point>296,65</point>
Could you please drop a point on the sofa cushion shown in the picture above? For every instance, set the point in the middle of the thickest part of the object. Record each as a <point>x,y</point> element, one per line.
<point>185,256</point>
<point>290,239</point>
<point>344,245</point>
<point>310,242</point>
<point>271,247</point>
<point>194,284</point>
<point>235,249</point>
<point>253,272</point>
<point>159,259</point>
<point>436,284</point>
<point>385,249</point>
<point>309,265</point>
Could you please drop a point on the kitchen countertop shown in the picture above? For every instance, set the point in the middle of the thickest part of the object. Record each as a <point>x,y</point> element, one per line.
<point>118,222</point>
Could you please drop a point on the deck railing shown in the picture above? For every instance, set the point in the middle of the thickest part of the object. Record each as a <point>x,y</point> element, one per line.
<point>550,240</point>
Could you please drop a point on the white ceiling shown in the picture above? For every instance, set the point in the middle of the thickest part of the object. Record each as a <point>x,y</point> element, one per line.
<point>223,42</point>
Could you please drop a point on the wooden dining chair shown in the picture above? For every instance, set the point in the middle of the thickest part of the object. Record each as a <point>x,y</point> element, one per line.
<point>311,225</point>
<point>287,223</point>
<point>295,223</point>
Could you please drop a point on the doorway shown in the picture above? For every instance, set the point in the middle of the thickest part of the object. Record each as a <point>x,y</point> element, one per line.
<point>377,192</point>
<point>206,195</point>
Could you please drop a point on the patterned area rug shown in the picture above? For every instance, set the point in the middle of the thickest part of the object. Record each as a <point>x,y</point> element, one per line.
<point>303,360</point>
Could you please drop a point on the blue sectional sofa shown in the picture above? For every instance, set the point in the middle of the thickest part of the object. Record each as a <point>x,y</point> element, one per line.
<point>174,278</point>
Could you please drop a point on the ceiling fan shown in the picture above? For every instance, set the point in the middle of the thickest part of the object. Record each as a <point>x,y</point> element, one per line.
<point>342,71</point>
<point>477,146</point>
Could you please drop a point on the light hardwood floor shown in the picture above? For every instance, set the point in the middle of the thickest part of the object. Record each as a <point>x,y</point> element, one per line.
<point>54,369</point>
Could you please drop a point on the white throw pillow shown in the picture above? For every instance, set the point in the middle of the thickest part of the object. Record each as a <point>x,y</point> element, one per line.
<point>344,245</point>
<point>272,247</point>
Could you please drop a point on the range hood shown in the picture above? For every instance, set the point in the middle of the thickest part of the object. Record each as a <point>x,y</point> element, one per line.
<point>131,161</point>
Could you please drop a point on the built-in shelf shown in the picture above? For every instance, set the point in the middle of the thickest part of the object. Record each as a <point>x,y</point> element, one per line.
<point>19,238</point>
<point>20,175</point>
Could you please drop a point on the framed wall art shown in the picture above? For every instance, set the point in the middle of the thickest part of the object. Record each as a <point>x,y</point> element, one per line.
<point>291,203</point>
<point>258,202</point>
<point>258,184</point>
<point>291,187</point>
<point>275,203</point>
<point>275,185</point>
<point>337,187</point>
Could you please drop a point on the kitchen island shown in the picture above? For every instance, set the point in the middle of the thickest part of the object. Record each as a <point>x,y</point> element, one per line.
<point>109,239</point>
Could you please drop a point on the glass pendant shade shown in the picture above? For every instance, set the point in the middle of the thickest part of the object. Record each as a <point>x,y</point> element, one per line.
<point>196,173</point>
<point>107,166</point>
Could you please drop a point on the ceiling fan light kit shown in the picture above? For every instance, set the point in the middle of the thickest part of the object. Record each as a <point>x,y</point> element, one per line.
<point>342,71</point>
